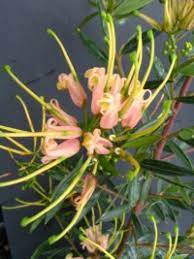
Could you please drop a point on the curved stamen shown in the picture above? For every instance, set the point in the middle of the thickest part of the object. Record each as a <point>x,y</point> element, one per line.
<point>170,245</point>
<point>32,175</point>
<point>97,246</point>
<point>176,230</point>
<point>174,58</point>
<point>28,117</point>
<point>68,60</point>
<point>24,87</point>
<point>112,48</point>
<point>155,237</point>
<point>152,53</point>
<point>27,220</point>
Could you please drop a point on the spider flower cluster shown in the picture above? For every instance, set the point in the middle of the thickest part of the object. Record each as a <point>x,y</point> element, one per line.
<point>117,103</point>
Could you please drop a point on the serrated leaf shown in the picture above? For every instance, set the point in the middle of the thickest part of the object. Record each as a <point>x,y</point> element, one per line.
<point>131,44</point>
<point>128,6</point>
<point>180,154</point>
<point>165,168</point>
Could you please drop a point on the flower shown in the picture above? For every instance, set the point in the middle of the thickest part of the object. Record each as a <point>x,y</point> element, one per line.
<point>133,107</point>
<point>178,14</point>
<point>94,234</point>
<point>93,142</point>
<point>96,83</point>
<point>69,135</point>
<point>74,87</point>
<point>111,103</point>
<point>68,119</point>
<point>89,186</point>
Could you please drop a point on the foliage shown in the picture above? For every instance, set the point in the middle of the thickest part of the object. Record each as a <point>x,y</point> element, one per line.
<point>114,176</point>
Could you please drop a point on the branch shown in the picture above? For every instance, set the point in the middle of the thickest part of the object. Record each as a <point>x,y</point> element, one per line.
<point>176,108</point>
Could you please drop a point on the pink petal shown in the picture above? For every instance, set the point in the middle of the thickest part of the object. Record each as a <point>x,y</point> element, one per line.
<point>109,120</point>
<point>66,149</point>
<point>70,119</point>
<point>133,116</point>
<point>75,89</point>
<point>97,95</point>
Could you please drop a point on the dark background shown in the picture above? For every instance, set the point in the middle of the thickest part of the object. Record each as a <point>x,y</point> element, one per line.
<point>25,45</point>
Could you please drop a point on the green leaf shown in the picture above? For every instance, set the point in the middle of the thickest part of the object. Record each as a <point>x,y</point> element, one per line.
<point>175,183</point>
<point>183,256</point>
<point>115,213</point>
<point>40,249</point>
<point>165,168</point>
<point>180,154</point>
<point>142,141</point>
<point>138,226</point>
<point>187,69</point>
<point>93,47</point>
<point>134,192</point>
<point>132,42</point>
<point>178,203</point>
<point>153,84</point>
<point>128,6</point>
<point>185,99</point>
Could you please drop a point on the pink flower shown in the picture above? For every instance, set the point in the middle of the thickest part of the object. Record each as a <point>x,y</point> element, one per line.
<point>111,103</point>
<point>65,140</point>
<point>70,120</point>
<point>134,113</point>
<point>94,234</point>
<point>70,132</point>
<point>96,83</point>
<point>95,143</point>
<point>75,89</point>
<point>89,186</point>
<point>52,150</point>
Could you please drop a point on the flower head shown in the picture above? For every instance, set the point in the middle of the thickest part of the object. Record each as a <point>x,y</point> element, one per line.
<point>89,186</point>
<point>178,14</point>
<point>94,143</point>
<point>96,83</point>
<point>94,234</point>
<point>74,87</point>
<point>52,148</point>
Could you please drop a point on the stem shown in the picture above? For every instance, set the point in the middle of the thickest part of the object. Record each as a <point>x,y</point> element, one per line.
<point>176,230</point>
<point>176,108</point>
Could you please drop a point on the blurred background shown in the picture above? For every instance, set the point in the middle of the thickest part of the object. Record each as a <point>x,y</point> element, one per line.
<point>34,56</point>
